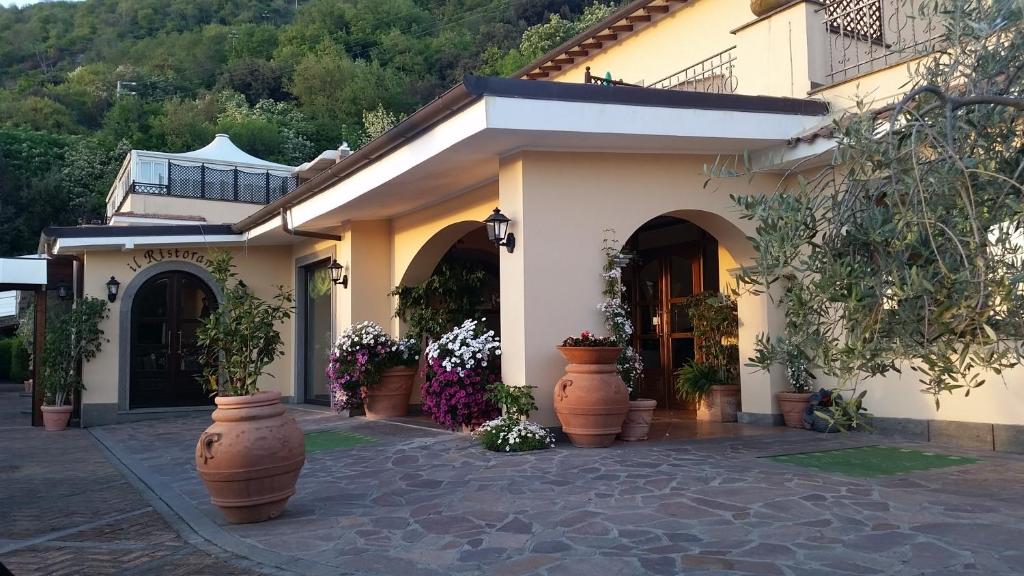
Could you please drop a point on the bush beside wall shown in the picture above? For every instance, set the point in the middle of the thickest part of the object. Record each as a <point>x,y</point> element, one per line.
<point>19,362</point>
<point>7,346</point>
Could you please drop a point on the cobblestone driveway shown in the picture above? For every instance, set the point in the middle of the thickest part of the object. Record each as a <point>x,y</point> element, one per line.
<point>65,509</point>
<point>420,502</point>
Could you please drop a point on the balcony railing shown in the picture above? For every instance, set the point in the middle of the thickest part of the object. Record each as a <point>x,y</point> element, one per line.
<point>714,74</point>
<point>204,182</point>
<point>868,35</point>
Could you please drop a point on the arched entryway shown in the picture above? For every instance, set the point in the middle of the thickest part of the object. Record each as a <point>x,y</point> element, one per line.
<point>166,311</point>
<point>673,259</point>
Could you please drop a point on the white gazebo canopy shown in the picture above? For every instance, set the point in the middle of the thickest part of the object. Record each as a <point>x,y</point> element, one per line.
<point>223,151</point>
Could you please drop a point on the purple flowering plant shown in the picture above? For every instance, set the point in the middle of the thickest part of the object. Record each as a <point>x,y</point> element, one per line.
<point>461,367</point>
<point>362,352</point>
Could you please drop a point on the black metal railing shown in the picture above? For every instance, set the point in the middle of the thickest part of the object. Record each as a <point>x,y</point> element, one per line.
<point>867,35</point>
<point>714,74</point>
<point>206,182</point>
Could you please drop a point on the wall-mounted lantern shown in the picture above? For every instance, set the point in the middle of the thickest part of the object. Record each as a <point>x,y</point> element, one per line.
<point>64,291</point>
<point>112,287</point>
<point>497,230</point>
<point>338,275</point>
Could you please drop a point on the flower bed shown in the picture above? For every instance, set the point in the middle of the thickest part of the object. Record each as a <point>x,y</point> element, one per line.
<point>461,366</point>
<point>361,353</point>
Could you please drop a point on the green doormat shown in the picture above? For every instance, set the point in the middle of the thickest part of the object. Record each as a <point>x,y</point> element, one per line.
<point>333,440</point>
<point>872,461</point>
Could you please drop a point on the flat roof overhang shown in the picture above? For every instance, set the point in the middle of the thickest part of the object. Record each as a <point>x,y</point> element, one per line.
<point>77,239</point>
<point>478,123</point>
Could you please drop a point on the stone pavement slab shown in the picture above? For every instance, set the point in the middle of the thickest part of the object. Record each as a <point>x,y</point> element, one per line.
<point>425,502</point>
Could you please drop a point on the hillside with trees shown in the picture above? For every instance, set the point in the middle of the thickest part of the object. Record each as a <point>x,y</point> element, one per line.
<point>82,83</point>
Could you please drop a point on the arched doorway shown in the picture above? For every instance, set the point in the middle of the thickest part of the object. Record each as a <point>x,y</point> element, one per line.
<point>165,314</point>
<point>673,260</point>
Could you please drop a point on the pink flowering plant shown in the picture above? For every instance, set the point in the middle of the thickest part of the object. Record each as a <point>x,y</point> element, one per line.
<point>461,367</point>
<point>361,354</point>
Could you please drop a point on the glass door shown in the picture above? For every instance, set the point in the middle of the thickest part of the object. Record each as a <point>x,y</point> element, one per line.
<point>319,334</point>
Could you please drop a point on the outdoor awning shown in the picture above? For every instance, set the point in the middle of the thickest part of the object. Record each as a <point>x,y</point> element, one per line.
<point>26,273</point>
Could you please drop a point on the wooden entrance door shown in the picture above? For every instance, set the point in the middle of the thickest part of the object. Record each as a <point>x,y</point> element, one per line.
<point>166,312</point>
<point>660,281</point>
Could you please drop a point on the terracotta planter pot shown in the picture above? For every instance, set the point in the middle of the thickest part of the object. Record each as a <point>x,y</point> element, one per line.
<point>28,386</point>
<point>591,401</point>
<point>389,398</point>
<point>250,458</point>
<point>762,7</point>
<point>637,425</point>
<point>793,405</point>
<point>55,418</point>
<point>721,404</point>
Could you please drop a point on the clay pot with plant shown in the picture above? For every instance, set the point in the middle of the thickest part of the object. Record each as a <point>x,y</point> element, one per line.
<point>788,353</point>
<point>71,339</point>
<point>371,369</point>
<point>630,366</point>
<point>709,389</point>
<point>710,382</point>
<point>251,456</point>
<point>591,401</point>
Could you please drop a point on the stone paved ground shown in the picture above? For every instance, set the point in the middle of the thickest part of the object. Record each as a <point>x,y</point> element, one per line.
<point>65,509</point>
<point>420,502</point>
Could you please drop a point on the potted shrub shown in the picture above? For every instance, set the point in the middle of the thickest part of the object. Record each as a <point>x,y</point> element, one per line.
<point>71,339</point>
<point>715,323</point>
<point>630,366</point>
<point>591,400</point>
<point>371,369</point>
<point>251,456</point>
<point>794,402</point>
<point>461,366</point>
<point>512,431</point>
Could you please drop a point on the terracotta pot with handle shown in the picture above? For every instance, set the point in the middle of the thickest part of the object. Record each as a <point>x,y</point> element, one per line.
<point>762,7</point>
<point>591,400</point>
<point>56,418</point>
<point>637,425</point>
<point>250,457</point>
<point>792,405</point>
<point>389,398</point>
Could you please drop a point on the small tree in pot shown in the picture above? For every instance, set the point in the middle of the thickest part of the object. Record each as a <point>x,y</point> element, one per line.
<point>71,339</point>
<point>250,458</point>
<point>712,381</point>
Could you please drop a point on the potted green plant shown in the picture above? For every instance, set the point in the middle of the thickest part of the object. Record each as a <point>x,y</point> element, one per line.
<point>630,365</point>
<point>71,339</point>
<point>251,456</point>
<point>785,351</point>
<point>513,431</point>
<point>591,400</point>
<point>715,323</point>
<point>370,369</point>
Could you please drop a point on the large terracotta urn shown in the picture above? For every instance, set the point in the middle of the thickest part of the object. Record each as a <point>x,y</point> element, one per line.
<point>793,405</point>
<point>720,405</point>
<point>250,457</point>
<point>390,397</point>
<point>591,401</point>
<point>637,425</point>
<point>55,418</point>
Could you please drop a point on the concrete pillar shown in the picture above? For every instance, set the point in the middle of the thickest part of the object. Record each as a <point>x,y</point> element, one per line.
<point>759,314</point>
<point>367,261</point>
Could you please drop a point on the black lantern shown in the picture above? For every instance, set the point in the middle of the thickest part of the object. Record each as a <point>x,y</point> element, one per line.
<point>497,230</point>
<point>112,287</point>
<point>64,291</point>
<point>338,275</point>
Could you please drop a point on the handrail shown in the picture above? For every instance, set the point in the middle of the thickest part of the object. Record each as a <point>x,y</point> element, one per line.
<point>713,74</point>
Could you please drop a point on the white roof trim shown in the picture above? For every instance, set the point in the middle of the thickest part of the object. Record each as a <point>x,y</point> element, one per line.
<point>71,245</point>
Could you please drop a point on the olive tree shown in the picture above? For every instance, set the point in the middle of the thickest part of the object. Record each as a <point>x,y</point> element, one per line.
<point>907,249</point>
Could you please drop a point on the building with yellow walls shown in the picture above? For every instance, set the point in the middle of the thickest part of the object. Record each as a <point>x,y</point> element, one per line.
<point>611,130</point>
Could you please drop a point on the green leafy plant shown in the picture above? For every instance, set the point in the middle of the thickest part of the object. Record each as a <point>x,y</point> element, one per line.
<point>6,354</point>
<point>716,331</point>
<point>694,381</point>
<point>904,250</point>
<point>445,300</point>
<point>71,339</point>
<point>514,401</point>
<point>512,432</point>
<point>19,361</point>
<point>242,336</point>
<point>844,415</point>
<point>617,315</point>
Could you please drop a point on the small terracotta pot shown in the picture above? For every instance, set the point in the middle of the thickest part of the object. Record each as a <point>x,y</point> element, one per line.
<point>637,425</point>
<point>591,400</point>
<point>720,405</point>
<point>792,405</point>
<point>55,418</point>
<point>28,386</point>
<point>389,398</point>
<point>250,457</point>
<point>762,7</point>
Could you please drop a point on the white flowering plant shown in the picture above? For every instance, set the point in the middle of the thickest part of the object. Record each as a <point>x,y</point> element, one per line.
<point>617,317</point>
<point>512,432</point>
<point>461,365</point>
<point>361,353</point>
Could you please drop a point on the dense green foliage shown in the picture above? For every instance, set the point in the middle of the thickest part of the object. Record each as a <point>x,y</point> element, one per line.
<point>450,296</point>
<point>71,339</point>
<point>284,82</point>
<point>7,346</point>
